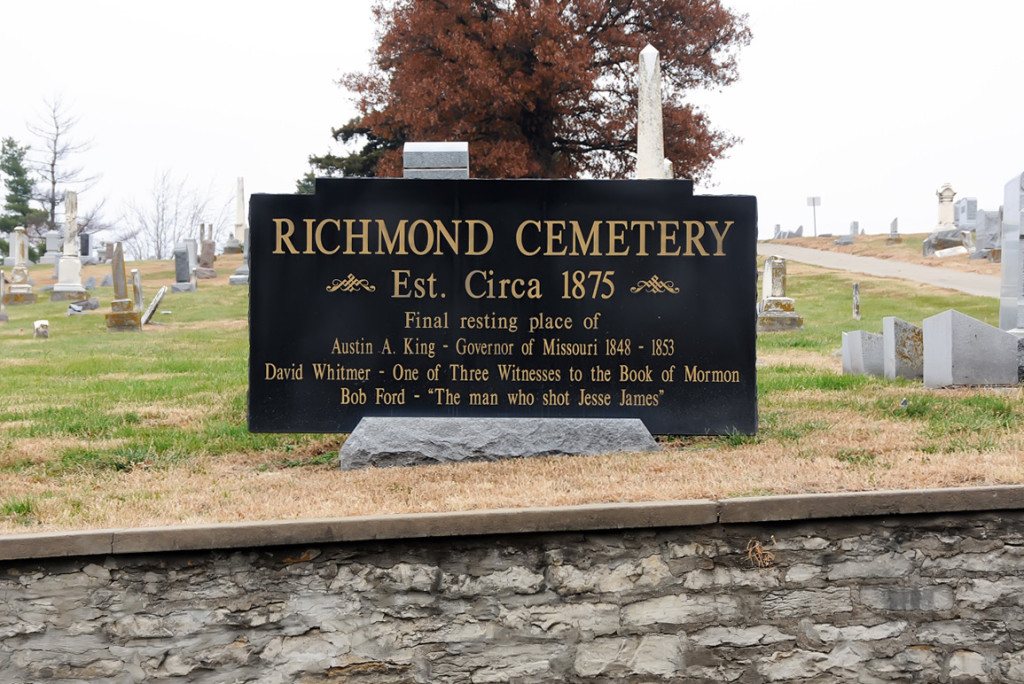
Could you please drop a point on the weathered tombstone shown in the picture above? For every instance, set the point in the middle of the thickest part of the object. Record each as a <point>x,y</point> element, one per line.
<point>41,329</point>
<point>140,301</point>
<point>856,301</point>
<point>902,349</point>
<point>650,138</point>
<point>854,228</point>
<point>894,233</point>
<point>778,232</point>
<point>69,286</point>
<point>865,353</point>
<point>123,316</point>
<point>108,252</point>
<point>52,248</point>
<point>987,236</point>
<point>207,254</point>
<point>1011,292</point>
<point>108,280</point>
<point>960,350</point>
<point>776,311</point>
<point>182,272</point>
<point>438,160</point>
<point>241,274</point>
<point>157,298</point>
<point>20,289</point>
<point>90,283</point>
<point>965,213</point>
<point>234,243</point>
<point>842,240</point>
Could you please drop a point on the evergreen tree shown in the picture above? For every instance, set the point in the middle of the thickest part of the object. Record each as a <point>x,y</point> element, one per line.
<point>17,211</point>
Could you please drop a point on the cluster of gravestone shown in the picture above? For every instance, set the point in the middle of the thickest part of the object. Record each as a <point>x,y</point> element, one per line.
<point>193,261</point>
<point>963,229</point>
<point>128,313</point>
<point>952,349</point>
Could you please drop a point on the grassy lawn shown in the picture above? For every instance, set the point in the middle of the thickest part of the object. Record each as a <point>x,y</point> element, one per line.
<point>102,430</point>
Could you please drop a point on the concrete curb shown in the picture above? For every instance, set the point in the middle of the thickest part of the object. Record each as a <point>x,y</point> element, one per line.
<point>592,517</point>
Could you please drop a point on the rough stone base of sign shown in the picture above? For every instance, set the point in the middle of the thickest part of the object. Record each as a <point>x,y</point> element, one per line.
<point>386,442</point>
<point>183,287</point>
<point>15,298</point>
<point>238,280</point>
<point>205,273</point>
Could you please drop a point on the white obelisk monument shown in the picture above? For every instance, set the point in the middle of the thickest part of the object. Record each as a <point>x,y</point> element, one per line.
<point>650,136</point>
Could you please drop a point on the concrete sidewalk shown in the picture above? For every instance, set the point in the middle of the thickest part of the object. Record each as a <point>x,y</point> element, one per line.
<point>969,283</point>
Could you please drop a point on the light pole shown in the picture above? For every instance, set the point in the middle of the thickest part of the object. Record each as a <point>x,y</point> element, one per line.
<point>814,203</point>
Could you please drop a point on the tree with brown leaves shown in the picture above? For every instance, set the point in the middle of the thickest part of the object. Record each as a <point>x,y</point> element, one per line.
<point>538,88</point>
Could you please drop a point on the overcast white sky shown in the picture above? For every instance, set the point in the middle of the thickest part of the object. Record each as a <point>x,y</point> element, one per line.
<point>870,105</point>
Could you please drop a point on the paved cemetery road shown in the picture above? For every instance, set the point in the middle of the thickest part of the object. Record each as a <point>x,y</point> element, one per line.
<point>970,283</point>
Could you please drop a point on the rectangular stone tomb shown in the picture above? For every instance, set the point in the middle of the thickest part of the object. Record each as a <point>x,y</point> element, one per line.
<point>960,350</point>
<point>501,298</point>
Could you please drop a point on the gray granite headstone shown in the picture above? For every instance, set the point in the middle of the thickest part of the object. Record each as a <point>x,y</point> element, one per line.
<point>385,442</point>
<point>182,271</point>
<point>960,350</point>
<point>865,353</point>
<point>1011,293</point>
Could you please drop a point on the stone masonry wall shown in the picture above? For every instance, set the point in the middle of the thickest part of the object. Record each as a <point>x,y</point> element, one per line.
<point>908,598</point>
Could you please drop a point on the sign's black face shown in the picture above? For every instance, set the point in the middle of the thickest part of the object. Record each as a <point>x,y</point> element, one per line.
<point>555,298</point>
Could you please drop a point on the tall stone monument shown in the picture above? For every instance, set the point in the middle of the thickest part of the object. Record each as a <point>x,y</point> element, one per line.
<point>946,233</point>
<point>234,243</point>
<point>124,317</point>
<point>650,137</point>
<point>69,284</point>
<point>20,290</point>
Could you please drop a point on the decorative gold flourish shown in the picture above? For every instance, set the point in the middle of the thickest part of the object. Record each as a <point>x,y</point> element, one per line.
<point>655,286</point>
<point>350,284</point>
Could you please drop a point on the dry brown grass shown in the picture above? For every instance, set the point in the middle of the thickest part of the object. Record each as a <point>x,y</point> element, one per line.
<point>848,449</point>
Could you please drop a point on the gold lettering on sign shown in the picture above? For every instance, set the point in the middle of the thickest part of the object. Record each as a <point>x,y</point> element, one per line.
<point>654,285</point>
<point>350,284</point>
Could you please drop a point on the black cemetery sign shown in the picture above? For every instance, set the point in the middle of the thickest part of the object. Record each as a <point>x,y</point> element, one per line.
<point>502,298</point>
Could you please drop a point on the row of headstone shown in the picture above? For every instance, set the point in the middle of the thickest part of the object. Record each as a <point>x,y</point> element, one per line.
<point>950,349</point>
<point>785,234</point>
